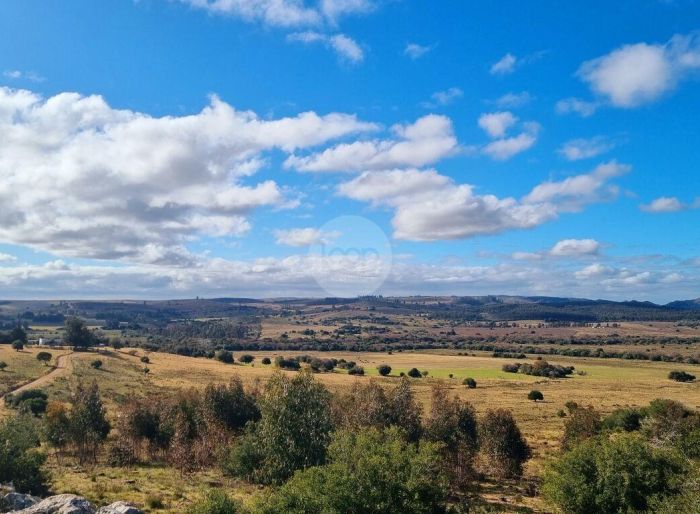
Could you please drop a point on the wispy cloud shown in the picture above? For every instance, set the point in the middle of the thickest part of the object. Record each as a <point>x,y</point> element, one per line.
<point>581,148</point>
<point>30,76</point>
<point>415,51</point>
<point>347,49</point>
<point>442,98</point>
<point>669,204</point>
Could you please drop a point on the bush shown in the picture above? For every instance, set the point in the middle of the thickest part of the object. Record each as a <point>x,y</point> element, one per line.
<point>370,472</point>
<point>623,474</point>
<point>583,423</point>
<point>291,364</point>
<point>145,359</point>
<point>96,364</point>
<point>3,365</point>
<point>384,370</point>
<point>18,345</point>
<point>154,501</point>
<point>681,376</point>
<point>30,401</point>
<point>224,356</point>
<point>627,420</point>
<point>266,361</point>
<point>20,461</point>
<point>469,382</point>
<point>414,373</point>
<point>535,395</point>
<point>246,358</point>
<point>356,370</point>
<point>502,445</point>
<point>368,404</point>
<point>229,406</point>
<point>215,501</point>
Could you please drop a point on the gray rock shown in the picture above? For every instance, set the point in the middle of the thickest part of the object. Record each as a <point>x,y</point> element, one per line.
<point>120,508</point>
<point>17,501</point>
<point>60,504</point>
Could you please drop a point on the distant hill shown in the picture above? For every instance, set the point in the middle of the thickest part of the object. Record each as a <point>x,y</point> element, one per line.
<point>477,308</point>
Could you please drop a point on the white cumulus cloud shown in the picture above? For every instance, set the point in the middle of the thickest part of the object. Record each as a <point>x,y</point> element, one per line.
<point>640,73</point>
<point>80,178</point>
<point>423,142</point>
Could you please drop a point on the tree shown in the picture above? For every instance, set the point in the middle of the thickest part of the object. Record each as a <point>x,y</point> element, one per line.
<point>623,474</point>
<point>452,423</point>
<point>88,421</point>
<point>403,410</point>
<point>469,382</point>
<point>370,472</point>
<point>414,373</point>
<point>384,370</point>
<point>44,357</point>
<point>581,424</point>
<point>57,425</point>
<point>77,333</point>
<point>295,426</point>
<point>17,345</point>
<point>246,358</point>
<point>535,395</point>
<point>18,334</point>
<point>96,364</point>
<point>502,445</point>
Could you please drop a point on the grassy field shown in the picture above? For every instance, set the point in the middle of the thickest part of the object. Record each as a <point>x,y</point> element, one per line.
<point>606,384</point>
<point>22,366</point>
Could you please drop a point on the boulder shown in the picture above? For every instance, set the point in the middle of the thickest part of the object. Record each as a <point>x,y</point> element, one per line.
<point>17,501</point>
<point>60,504</point>
<point>119,508</point>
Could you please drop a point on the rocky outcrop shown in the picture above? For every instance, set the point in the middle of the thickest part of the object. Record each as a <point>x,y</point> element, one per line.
<point>64,504</point>
<point>16,501</point>
<point>61,504</point>
<point>119,508</point>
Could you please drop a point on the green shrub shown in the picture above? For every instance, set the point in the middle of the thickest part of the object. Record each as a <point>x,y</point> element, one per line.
<point>384,370</point>
<point>681,376</point>
<point>535,395</point>
<point>96,364</point>
<point>414,373</point>
<point>370,472</point>
<point>627,420</point>
<point>470,383</point>
<point>623,474</point>
<point>20,460</point>
<point>215,501</point>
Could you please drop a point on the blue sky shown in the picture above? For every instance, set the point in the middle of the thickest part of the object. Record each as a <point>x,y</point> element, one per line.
<point>161,148</point>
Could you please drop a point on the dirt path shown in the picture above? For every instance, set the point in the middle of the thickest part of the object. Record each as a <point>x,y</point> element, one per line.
<point>63,364</point>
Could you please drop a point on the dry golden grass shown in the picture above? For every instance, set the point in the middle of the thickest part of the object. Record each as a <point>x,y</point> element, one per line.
<point>606,384</point>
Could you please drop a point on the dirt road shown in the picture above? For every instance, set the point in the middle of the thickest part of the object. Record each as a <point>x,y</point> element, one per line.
<point>64,364</point>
